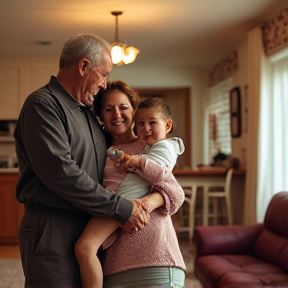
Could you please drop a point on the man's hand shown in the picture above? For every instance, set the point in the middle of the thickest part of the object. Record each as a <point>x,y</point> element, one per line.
<point>138,219</point>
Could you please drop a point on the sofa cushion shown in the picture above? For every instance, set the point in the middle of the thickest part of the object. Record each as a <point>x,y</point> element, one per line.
<point>243,270</point>
<point>276,217</point>
<point>272,248</point>
<point>247,280</point>
<point>226,239</point>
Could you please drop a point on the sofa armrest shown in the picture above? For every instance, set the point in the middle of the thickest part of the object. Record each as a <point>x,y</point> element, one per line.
<point>225,239</point>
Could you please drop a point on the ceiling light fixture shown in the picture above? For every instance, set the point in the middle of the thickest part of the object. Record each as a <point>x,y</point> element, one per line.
<point>121,54</point>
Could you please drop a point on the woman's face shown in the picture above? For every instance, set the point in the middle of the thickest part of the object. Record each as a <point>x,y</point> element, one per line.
<point>117,114</point>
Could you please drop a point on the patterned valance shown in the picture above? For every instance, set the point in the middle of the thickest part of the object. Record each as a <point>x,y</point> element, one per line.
<point>275,33</point>
<point>223,69</point>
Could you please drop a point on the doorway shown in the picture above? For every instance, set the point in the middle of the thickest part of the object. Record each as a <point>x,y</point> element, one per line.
<point>178,100</point>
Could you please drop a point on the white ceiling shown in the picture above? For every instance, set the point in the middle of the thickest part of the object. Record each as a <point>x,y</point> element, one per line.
<point>168,33</point>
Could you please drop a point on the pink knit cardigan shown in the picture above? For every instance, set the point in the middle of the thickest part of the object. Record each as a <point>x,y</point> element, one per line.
<point>157,244</point>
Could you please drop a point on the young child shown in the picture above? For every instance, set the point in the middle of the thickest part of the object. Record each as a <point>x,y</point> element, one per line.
<point>152,123</point>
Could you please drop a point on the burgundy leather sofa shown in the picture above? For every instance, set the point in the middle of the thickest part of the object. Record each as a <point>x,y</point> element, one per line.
<point>245,256</point>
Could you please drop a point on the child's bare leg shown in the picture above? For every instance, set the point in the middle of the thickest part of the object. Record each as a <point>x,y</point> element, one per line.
<point>93,236</point>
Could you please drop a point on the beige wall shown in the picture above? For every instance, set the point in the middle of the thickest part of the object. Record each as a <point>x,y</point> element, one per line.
<point>35,72</point>
<point>241,80</point>
<point>163,77</point>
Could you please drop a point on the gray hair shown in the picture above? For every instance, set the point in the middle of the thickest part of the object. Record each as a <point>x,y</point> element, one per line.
<point>82,45</point>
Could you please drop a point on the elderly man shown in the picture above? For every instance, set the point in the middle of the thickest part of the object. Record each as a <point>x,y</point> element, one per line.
<point>61,154</point>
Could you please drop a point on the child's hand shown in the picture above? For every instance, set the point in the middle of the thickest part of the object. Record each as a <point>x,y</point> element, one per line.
<point>118,156</point>
<point>132,164</point>
<point>146,205</point>
<point>152,201</point>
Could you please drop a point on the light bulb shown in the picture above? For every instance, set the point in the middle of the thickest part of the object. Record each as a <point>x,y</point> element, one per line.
<point>130,54</point>
<point>116,54</point>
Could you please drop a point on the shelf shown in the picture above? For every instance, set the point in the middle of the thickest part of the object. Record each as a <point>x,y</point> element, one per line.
<point>9,170</point>
<point>6,138</point>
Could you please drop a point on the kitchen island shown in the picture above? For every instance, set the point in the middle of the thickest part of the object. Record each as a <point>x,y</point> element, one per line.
<point>11,210</point>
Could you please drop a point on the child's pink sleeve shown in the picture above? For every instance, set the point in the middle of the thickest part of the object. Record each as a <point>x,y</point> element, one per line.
<point>164,182</point>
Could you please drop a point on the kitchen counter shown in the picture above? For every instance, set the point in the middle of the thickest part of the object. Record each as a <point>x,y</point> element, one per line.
<point>203,172</point>
<point>208,172</point>
<point>9,170</point>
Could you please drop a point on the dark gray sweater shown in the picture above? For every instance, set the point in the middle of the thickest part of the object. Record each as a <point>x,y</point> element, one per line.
<point>61,155</point>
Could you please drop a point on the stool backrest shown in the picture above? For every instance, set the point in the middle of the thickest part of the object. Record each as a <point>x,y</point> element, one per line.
<point>228,181</point>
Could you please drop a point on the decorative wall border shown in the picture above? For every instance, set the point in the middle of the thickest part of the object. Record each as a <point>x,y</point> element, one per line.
<point>223,69</point>
<point>275,33</point>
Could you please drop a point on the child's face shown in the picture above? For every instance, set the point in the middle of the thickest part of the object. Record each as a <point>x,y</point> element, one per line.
<point>151,126</point>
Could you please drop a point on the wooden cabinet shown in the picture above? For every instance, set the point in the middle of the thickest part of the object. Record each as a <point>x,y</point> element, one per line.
<point>9,100</point>
<point>11,211</point>
<point>18,78</point>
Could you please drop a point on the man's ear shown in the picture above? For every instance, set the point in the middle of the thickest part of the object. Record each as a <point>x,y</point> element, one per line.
<point>169,126</point>
<point>83,66</point>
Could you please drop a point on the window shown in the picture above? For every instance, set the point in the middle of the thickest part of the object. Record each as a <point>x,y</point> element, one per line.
<point>273,130</point>
<point>218,119</point>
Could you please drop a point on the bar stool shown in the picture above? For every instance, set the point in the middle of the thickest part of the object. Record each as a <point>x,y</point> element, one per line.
<point>220,191</point>
<point>190,197</point>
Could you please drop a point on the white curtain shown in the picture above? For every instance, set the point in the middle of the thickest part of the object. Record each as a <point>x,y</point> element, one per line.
<point>273,131</point>
<point>255,59</point>
<point>267,137</point>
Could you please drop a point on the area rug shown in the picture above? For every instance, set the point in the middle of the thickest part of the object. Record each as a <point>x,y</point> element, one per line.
<point>188,253</point>
<point>11,273</point>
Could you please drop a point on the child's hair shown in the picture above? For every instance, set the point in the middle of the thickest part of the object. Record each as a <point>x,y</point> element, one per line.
<point>157,105</point>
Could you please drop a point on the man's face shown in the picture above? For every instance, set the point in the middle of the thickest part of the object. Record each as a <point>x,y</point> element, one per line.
<point>95,78</point>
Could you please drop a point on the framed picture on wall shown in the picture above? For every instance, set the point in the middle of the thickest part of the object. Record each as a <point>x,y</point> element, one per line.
<point>235,112</point>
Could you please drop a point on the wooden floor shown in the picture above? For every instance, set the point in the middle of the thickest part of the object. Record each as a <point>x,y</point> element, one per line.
<point>9,251</point>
